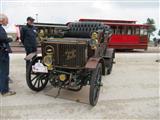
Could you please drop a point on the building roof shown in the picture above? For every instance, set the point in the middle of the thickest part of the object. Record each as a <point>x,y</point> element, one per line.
<point>49,25</point>
<point>127,24</point>
<point>54,24</point>
<point>111,21</point>
<point>117,22</point>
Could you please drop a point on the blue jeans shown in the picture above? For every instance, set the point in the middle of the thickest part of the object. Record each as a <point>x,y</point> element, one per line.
<point>4,72</point>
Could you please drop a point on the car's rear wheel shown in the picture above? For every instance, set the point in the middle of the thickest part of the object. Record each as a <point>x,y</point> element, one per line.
<point>109,65</point>
<point>36,81</point>
<point>95,85</point>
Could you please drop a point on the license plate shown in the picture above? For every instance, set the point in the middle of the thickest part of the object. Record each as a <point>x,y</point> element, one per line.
<point>39,69</point>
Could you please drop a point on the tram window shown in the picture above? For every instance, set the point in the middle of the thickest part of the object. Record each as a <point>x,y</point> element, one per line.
<point>55,31</point>
<point>137,31</point>
<point>134,31</point>
<point>114,29</point>
<point>46,32</point>
<point>119,30</point>
<point>141,31</point>
<point>145,32</point>
<point>51,31</point>
<point>123,30</point>
<point>129,31</point>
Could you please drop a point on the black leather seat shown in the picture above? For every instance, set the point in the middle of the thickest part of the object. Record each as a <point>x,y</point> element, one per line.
<point>84,29</point>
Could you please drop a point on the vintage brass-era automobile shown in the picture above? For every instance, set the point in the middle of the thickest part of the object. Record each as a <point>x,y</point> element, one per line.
<point>78,59</point>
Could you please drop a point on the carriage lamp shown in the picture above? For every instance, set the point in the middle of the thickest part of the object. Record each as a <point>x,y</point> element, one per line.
<point>49,59</point>
<point>62,77</point>
<point>94,40</point>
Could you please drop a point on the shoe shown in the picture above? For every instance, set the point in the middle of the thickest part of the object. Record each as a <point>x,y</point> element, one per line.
<point>9,93</point>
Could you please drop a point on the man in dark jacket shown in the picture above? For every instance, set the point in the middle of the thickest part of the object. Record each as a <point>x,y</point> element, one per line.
<point>28,37</point>
<point>4,58</point>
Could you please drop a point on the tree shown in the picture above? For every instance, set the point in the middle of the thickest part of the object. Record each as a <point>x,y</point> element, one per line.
<point>159,32</point>
<point>152,27</point>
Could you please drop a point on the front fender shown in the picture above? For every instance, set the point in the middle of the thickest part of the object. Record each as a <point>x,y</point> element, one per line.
<point>93,62</point>
<point>30,56</point>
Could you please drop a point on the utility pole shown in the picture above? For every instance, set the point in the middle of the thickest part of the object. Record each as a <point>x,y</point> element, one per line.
<point>36,17</point>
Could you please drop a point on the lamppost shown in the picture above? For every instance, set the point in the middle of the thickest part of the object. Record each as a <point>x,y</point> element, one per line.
<point>37,18</point>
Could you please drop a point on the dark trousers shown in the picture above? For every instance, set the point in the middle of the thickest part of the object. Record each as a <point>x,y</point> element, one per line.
<point>4,72</point>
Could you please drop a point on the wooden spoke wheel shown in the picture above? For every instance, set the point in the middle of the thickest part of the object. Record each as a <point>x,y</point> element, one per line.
<point>36,81</point>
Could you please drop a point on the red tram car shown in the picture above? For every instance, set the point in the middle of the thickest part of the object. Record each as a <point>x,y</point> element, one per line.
<point>126,34</point>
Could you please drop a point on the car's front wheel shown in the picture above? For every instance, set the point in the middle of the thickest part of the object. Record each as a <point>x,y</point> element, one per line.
<point>95,84</point>
<point>36,81</point>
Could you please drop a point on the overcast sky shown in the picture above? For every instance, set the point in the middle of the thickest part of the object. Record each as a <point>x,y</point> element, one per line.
<point>56,11</point>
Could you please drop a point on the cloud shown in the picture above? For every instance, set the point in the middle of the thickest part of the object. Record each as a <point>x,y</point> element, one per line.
<point>69,10</point>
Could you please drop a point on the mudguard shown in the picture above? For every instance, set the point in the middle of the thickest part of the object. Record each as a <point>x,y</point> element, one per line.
<point>110,53</point>
<point>93,62</point>
<point>109,58</point>
<point>30,56</point>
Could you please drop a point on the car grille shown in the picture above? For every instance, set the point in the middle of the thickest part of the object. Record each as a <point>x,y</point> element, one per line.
<point>68,55</point>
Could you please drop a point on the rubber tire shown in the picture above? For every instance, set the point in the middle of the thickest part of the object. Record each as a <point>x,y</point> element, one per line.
<point>28,76</point>
<point>97,71</point>
<point>109,70</point>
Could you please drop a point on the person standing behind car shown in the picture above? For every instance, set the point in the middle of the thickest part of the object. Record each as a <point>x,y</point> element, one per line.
<point>28,37</point>
<point>4,58</point>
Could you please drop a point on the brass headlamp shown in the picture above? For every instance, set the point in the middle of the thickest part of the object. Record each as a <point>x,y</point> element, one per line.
<point>49,58</point>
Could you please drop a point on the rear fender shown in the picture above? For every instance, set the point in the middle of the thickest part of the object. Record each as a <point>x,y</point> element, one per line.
<point>109,57</point>
<point>110,53</point>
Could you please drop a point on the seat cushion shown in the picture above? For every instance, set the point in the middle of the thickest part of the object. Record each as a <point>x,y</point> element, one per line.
<point>83,29</point>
